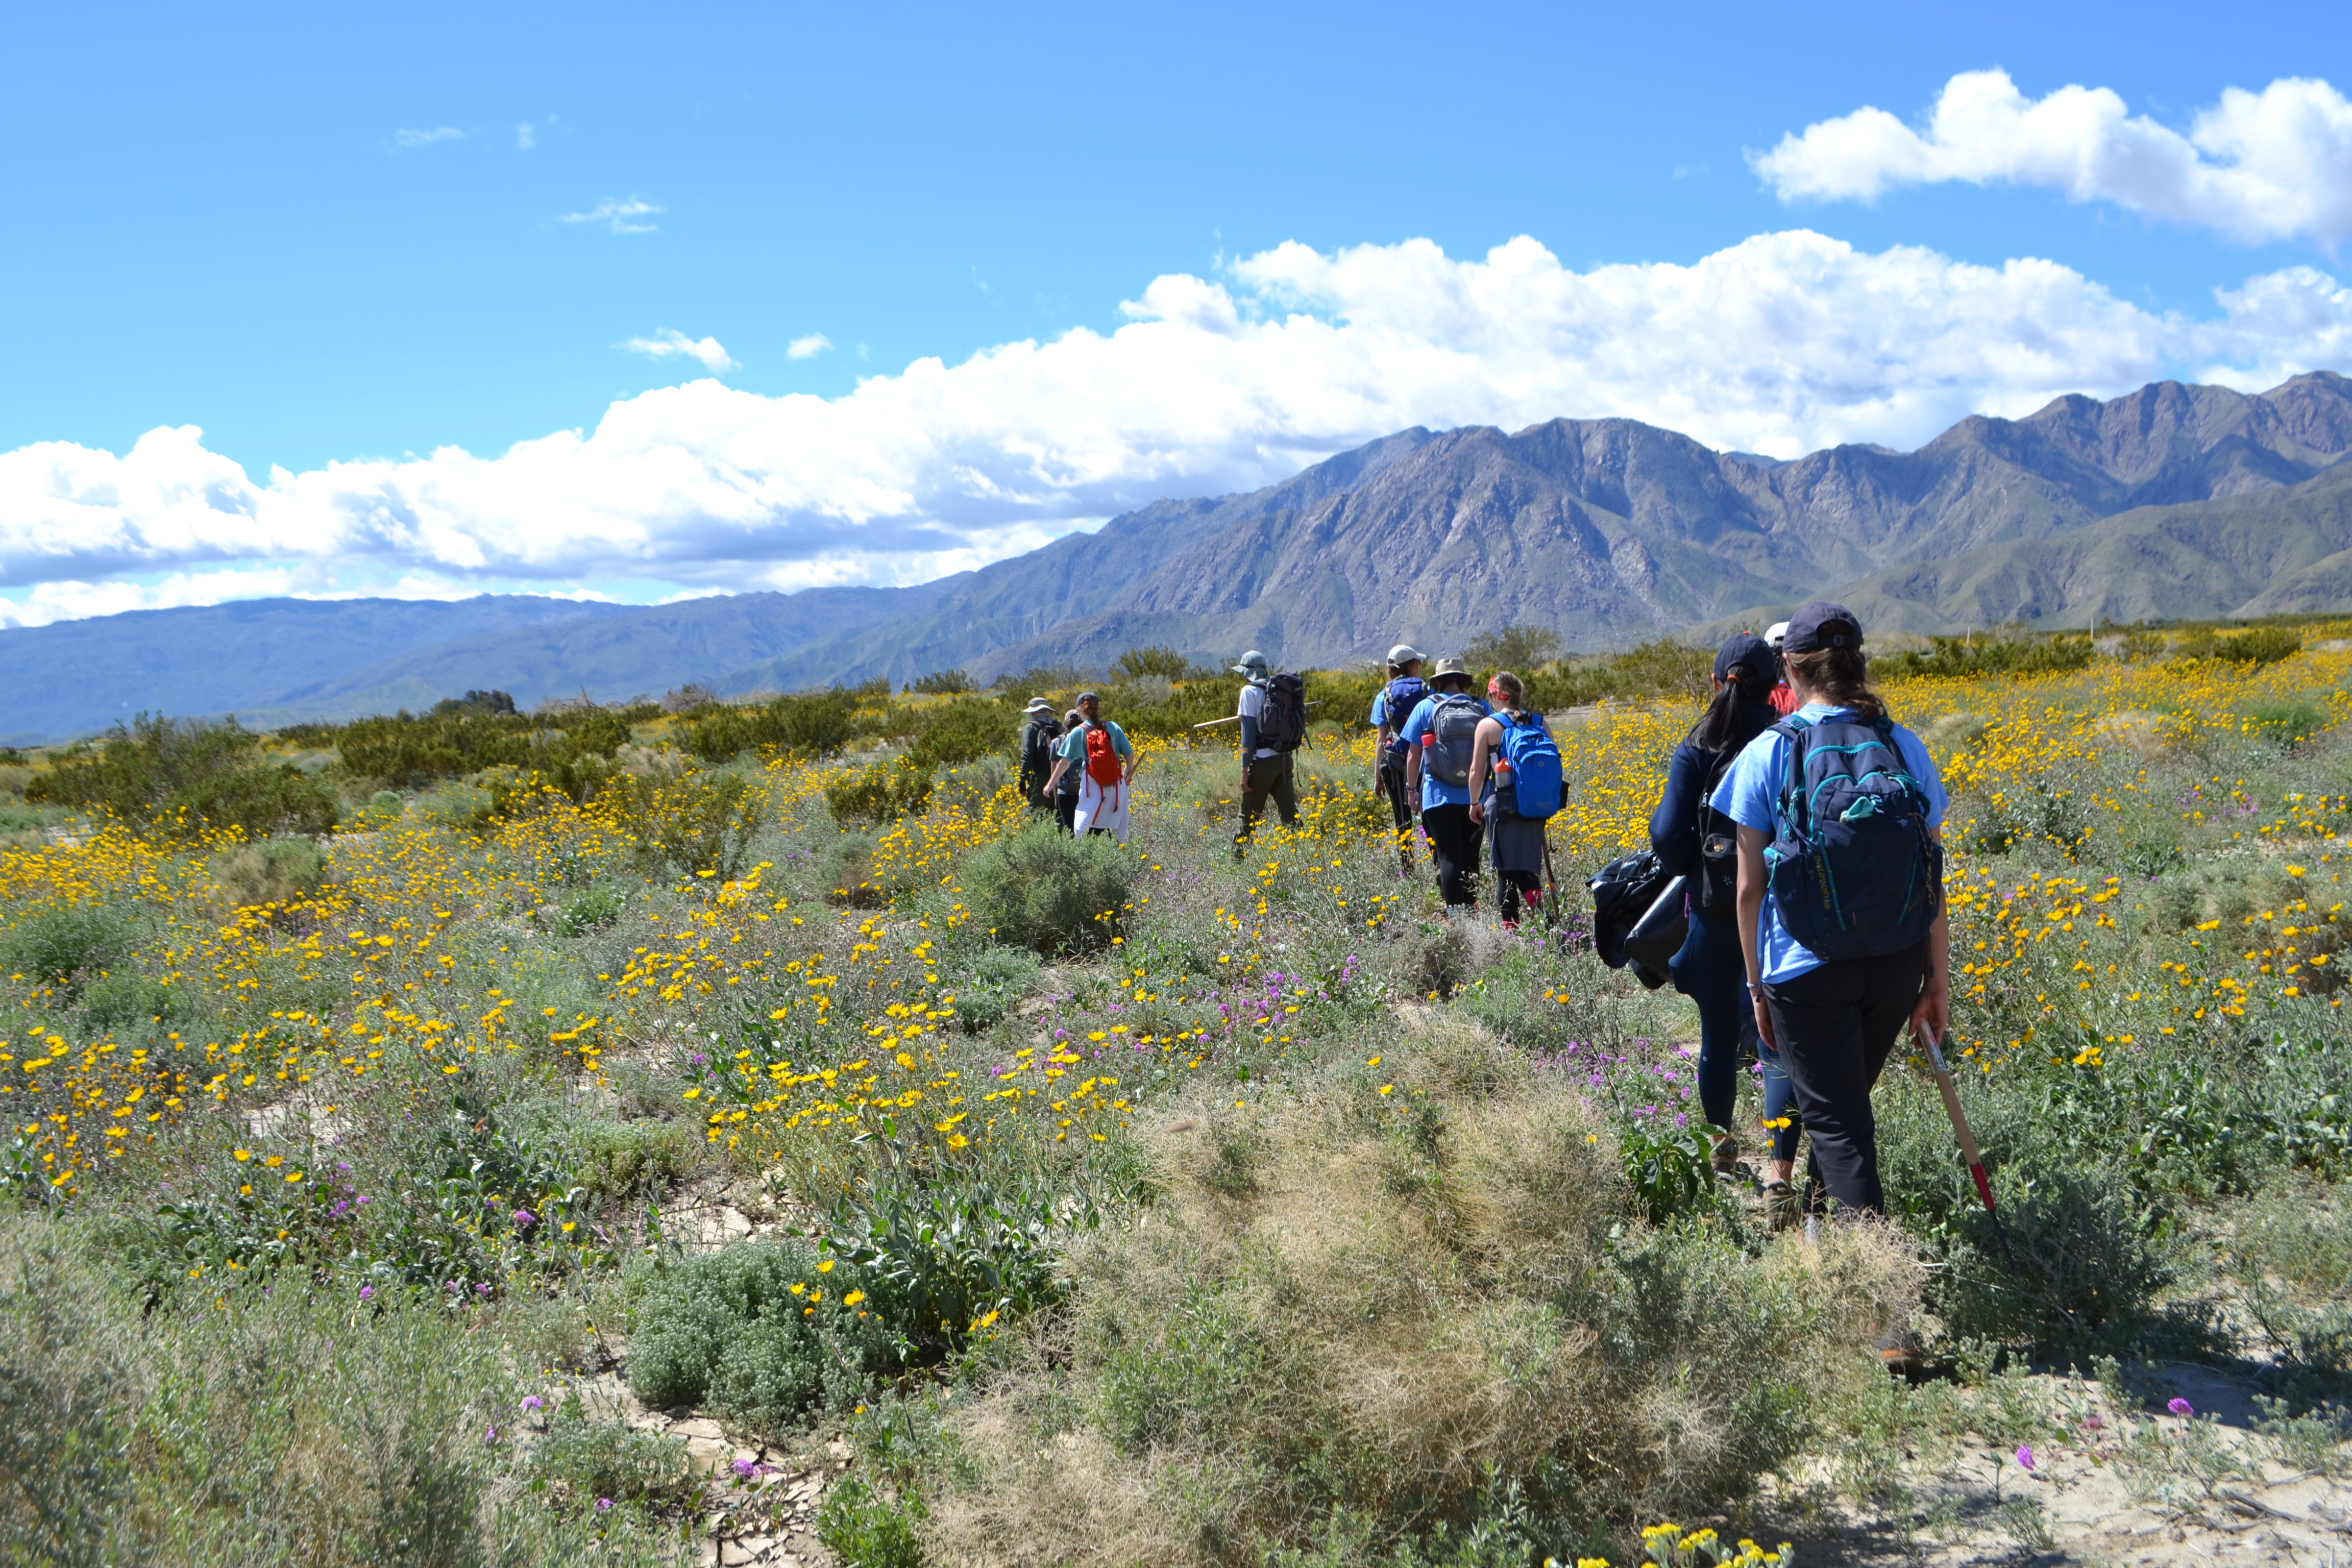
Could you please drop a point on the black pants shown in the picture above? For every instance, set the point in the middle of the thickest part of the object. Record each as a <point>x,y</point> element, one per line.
<point>1454,842</point>
<point>1400,806</point>
<point>1066,812</point>
<point>1269,778</point>
<point>1835,1025</point>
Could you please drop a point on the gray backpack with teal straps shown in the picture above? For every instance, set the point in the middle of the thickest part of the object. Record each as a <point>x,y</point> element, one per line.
<point>1453,732</point>
<point>1853,870</point>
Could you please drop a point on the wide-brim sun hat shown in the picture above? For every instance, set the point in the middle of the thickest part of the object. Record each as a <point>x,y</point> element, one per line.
<point>1450,665</point>
<point>1038,705</point>
<point>1404,653</point>
<point>1250,661</point>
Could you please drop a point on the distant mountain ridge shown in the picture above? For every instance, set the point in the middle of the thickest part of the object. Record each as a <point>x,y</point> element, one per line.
<point>2175,501</point>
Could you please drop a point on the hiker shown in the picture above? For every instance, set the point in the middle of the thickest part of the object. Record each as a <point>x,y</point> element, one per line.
<point>1391,705</point>
<point>1065,791</point>
<point>1440,735</point>
<point>1273,711</point>
<point>1696,841</point>
<point>1037,738</point>
<point>1783,700</point>
<point>1846,935</point>
<point>1095,751</point>
<point>1514,788</point>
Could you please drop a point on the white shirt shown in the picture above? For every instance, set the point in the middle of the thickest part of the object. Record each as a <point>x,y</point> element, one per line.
<point>1253,707</point>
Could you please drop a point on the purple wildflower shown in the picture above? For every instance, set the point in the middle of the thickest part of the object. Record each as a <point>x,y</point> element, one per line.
<point>2025,1456</point>
<point>2180,1407</point>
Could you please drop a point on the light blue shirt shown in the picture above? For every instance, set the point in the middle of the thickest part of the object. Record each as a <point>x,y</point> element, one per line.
<point>1750,795</point>
<point>1073,744</point>
<point>1380,707</point>
<point>1435,792</point>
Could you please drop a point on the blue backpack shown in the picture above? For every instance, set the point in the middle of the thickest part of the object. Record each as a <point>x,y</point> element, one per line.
<point>1533,759</point>
<point>1852,871</point>
<point>1398,701</point>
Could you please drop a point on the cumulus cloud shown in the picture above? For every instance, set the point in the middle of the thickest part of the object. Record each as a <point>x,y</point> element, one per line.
<point>407,138</point>
<point>671,343</point>
<point>618,214</point>
<point>2257,166</point>
<point>808,347</point>
<point>526,137</point>
<point>1780,344</point>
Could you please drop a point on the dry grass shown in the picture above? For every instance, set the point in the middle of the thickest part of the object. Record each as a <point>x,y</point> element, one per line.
<point>1364,1315</point>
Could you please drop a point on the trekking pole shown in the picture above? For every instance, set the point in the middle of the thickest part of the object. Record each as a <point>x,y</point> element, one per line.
<point>1552,879</point>
<point>1951,1094</point>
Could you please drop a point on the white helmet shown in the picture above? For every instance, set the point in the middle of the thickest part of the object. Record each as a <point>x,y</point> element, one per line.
<point>1776,634</point>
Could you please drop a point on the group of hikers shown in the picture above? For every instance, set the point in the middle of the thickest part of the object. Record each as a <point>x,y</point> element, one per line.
<point>1801,826</point>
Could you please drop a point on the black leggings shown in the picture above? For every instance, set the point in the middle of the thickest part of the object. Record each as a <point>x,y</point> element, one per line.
<point>1836,1025</point>
<point>1454,842</point>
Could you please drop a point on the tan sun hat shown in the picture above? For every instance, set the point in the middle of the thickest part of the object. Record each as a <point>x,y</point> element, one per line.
<point>1450,665</point>
<point>1038,705</point>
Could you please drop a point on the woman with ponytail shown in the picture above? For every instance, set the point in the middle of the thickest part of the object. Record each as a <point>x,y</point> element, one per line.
<point>1696,841</point>
<point>1844,926</point>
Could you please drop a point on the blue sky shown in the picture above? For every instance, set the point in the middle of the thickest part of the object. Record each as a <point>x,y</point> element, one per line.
<point>336,235</point>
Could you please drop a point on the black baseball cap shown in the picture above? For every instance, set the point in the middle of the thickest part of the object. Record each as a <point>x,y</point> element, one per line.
<point>1743,647</point>
<point>1822,624</point>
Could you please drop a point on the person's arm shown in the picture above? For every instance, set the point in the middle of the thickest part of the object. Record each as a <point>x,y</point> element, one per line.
<point>1126,756</point>
<point>1482,746</point>
<point>1751,911</point>
<point>1934,1011</point>
<point>1674,827</point>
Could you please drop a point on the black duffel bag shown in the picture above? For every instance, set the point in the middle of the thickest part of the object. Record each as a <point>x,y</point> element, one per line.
<point>1625,892</point>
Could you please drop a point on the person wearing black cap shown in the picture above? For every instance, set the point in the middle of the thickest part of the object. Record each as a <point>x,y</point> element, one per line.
<point>1845,929</point>
<point>1696,841</point>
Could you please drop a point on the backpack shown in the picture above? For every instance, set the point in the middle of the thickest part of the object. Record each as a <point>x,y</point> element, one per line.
<point>1398,700</point>
<point>1038,749</point>
<point>1715,879</point>
<point>1532,758</point>
<point>1624,891</point>
<point>1452,731</point>
<point>1851,869</point>
<point>1281,721</point>
<point>1102,760</point>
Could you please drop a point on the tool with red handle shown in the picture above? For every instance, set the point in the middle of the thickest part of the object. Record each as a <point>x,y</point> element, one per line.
<point>1960,1125</point>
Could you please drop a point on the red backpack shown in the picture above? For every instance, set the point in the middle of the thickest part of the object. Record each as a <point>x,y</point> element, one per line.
<point>1102,763</point>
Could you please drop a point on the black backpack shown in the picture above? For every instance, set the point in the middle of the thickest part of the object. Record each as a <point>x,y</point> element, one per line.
<point>1715,878</point>
<point>1852,870</point>
<point>1282,722</point>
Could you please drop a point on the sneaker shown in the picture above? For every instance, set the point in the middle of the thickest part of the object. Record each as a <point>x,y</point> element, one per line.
<point>1781,1209</point>
<point>1726,1157</point>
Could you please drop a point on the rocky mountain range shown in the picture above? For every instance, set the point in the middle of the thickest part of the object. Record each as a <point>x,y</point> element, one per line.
<point>2175,501</point>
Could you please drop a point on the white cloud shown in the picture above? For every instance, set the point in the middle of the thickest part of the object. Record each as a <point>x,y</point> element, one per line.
<point>526,137</point>
<point>617,215</point>
<point>1780,344</point>
<point>407,138</point>
<point>2256,166</point>
<point>671,343</point>
<point>808,347</point>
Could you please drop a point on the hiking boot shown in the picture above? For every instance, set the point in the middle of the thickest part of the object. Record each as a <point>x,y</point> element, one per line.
<point>1726,1157</point>
<point>1781,1209</point>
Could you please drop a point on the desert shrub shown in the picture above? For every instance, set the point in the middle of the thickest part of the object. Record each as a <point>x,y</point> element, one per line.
<point>2138,646</point>
<point>1977,655</point>
<point>627,1159</point>
<point>592,911</point>
<point>186,775</point>
<point>460,737</point>
<point>2292,1248</point>
<point>386,803</point>
<point>702,822</point>
<point>942,683</point>
<point>2077,1265</point>
<point>1666,1167</point>
<point>584,1461</point>
<point>122,1001</point>
<point>1522,649</point>
<point>1040,889</point>
<point>867,1528</point>
<point>2289,720</point>
<point>947,1259</point>
<point>64,947</point>
<point>274,871</point>
<point>882,793</point>
<point>998,978</point>
<point>810,724</point>
<point>1164,662</point>
<point>760,1332</point>
<point>1661,669</point>
<point>850,878</point>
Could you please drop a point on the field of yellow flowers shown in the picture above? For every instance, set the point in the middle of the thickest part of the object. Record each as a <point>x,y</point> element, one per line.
<point>1159,1201</point>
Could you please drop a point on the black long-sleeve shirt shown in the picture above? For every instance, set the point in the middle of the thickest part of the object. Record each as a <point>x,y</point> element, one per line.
<point>1675,830</point>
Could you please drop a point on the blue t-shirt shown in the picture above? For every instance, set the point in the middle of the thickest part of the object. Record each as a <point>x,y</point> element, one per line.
<point>1073,744</point>
<point>1435,792</point>
<point>1750,795</point>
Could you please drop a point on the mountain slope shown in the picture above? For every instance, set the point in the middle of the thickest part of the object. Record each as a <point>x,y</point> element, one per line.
<point>73,676</point>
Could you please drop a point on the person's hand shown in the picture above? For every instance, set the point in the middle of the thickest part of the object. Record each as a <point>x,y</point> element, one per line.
<point>1477,815</point>
<point>1245,784</point>
<point>1933,1011</point>
<point>1763,1019</point>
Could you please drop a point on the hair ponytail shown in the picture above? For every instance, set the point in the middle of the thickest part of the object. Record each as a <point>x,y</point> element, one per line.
<point>1840,676</point>
<point>1513,689</point>
<point>1719,728</point>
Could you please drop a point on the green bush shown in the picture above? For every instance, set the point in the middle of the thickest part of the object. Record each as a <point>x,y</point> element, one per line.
<point>585,1461</point>
<point>1521,649</point>
<point>945,1257</point>
<point>1981,654</point>
<point>592,911</point>
<point>942,683</point>
<point>2291,720</point>
<point>882,793</point>
<point>868,1528</point>
<point>737,1330</point>
<point>184,774</point>
<point>122,1001</point>
<point>703,822</point>
<point>274,871</point>
<point>810,724</point>
<point>62,947</point>
<point>1040,889</point>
